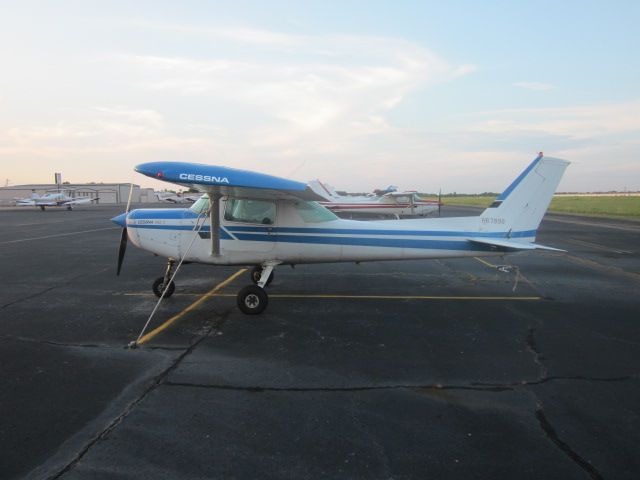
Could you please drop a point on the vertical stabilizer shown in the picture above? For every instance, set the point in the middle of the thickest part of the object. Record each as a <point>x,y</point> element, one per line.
<point>522,205</point>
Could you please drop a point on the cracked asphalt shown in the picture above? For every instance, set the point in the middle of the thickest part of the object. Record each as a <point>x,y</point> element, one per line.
<point>542,384</point>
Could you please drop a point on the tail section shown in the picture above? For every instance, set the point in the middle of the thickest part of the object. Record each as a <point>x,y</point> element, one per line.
<point>520,208</point>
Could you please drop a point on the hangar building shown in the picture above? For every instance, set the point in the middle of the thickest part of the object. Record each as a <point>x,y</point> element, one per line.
<point>106,193</point>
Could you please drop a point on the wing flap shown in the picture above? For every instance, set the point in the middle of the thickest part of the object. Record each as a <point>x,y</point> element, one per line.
<point>511,245</point>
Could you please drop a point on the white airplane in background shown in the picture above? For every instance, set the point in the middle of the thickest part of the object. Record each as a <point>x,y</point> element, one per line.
<point>177,197</point>
<point>390,202</point>
<point>58,199</point>
<point>250,218</point>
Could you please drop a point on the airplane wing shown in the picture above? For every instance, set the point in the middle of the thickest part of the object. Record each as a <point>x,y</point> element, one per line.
<point>398,194</point>
<point>512,246</point>
<point>25,203</point>
<point>213,179</point>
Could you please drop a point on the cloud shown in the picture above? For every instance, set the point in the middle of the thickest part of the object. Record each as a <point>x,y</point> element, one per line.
<point>577,122</point>
<point>536,86</point>
<point>305,82</point>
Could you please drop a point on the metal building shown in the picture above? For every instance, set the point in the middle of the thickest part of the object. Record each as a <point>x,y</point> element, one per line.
<point>107,193</point>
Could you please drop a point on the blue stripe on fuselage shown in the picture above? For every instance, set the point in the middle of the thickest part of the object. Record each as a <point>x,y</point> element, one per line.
<point>357,231</point>
<point>369,242</point>
<point>336,240</point>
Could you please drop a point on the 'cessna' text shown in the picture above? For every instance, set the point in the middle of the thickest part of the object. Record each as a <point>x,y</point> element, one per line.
<point>203,178</point>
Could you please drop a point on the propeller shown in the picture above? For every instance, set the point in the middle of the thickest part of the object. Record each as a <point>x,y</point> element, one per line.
<point>124,237</point>
<point>439,201</point>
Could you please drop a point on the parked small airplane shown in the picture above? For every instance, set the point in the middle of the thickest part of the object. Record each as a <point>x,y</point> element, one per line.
<point>388,202</point>
<point>58,199</point>
<point>250,218</point>
<point>177,197</point>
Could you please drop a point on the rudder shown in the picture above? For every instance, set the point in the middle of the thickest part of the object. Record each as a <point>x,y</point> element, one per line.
<point>522,205</point>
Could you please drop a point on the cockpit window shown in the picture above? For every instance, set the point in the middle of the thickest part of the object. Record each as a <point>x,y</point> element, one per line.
<point>312,212</point>
<point>201,205</point>
<point>250,211</point>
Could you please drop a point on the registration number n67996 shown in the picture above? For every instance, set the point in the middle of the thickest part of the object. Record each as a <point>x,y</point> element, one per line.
<point>493,220</point>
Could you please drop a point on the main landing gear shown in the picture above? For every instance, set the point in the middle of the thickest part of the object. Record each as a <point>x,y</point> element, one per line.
<point>253,299</point>
<point>160,282</point>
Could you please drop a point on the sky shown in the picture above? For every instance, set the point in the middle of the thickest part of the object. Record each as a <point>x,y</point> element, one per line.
<point>458,96</point>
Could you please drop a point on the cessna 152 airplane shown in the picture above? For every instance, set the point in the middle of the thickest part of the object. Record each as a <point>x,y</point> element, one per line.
<point>250,218</point>
<point>389,202</point>
<point>58,199</point>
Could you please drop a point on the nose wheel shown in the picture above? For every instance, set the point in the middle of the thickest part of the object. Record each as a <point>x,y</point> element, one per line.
<point>161,283</point>
<point>158,288</point>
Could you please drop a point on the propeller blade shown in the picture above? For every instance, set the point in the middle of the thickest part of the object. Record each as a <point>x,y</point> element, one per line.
<point>123,248</point>
<point>439,201</point>
<point>124,237</point>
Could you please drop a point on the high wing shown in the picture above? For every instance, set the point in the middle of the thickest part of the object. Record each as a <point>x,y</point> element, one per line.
<point>398,194</point>
<point>214,180</point>
<point>510,245</point>
<point>413,195</point>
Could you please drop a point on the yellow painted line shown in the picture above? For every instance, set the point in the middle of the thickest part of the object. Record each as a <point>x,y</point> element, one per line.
<point>194,305</point>
<point>389,297</point>
<point>145,294</point>
<point>490,265</point>
<point>365,297</point>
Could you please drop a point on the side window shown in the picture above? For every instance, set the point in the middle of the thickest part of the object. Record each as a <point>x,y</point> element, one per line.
<point>250,211</point>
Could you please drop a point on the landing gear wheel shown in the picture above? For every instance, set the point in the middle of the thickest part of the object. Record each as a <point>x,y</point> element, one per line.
<point>256,273</point>
<point>252,300</point>
<point>158,288</point>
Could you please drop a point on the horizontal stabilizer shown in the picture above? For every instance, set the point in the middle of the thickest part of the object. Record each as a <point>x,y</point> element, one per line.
<point>511,245</point>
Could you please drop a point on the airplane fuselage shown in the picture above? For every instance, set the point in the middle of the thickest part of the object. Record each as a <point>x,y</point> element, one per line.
<point>289,239</point>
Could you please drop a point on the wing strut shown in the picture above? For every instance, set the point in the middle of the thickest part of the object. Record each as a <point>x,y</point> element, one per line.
<point>214,221</point>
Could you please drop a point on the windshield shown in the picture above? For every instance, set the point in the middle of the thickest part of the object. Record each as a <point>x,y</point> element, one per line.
<point>312,212</point>
<point>201,205</point>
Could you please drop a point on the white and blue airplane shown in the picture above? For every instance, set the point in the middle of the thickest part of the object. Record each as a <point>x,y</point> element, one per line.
<point>57,199</point>
<point>252,219</point>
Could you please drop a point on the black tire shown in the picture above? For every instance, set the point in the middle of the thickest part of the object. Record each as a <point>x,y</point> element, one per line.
<point>158,287</point>
<point>252,300</point>
<point>256,272</point>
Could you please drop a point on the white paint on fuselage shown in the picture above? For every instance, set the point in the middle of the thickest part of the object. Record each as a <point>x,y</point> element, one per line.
<point>291,240</point>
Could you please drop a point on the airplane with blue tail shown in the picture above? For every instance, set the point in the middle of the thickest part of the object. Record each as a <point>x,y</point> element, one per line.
<point>253,219</point>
